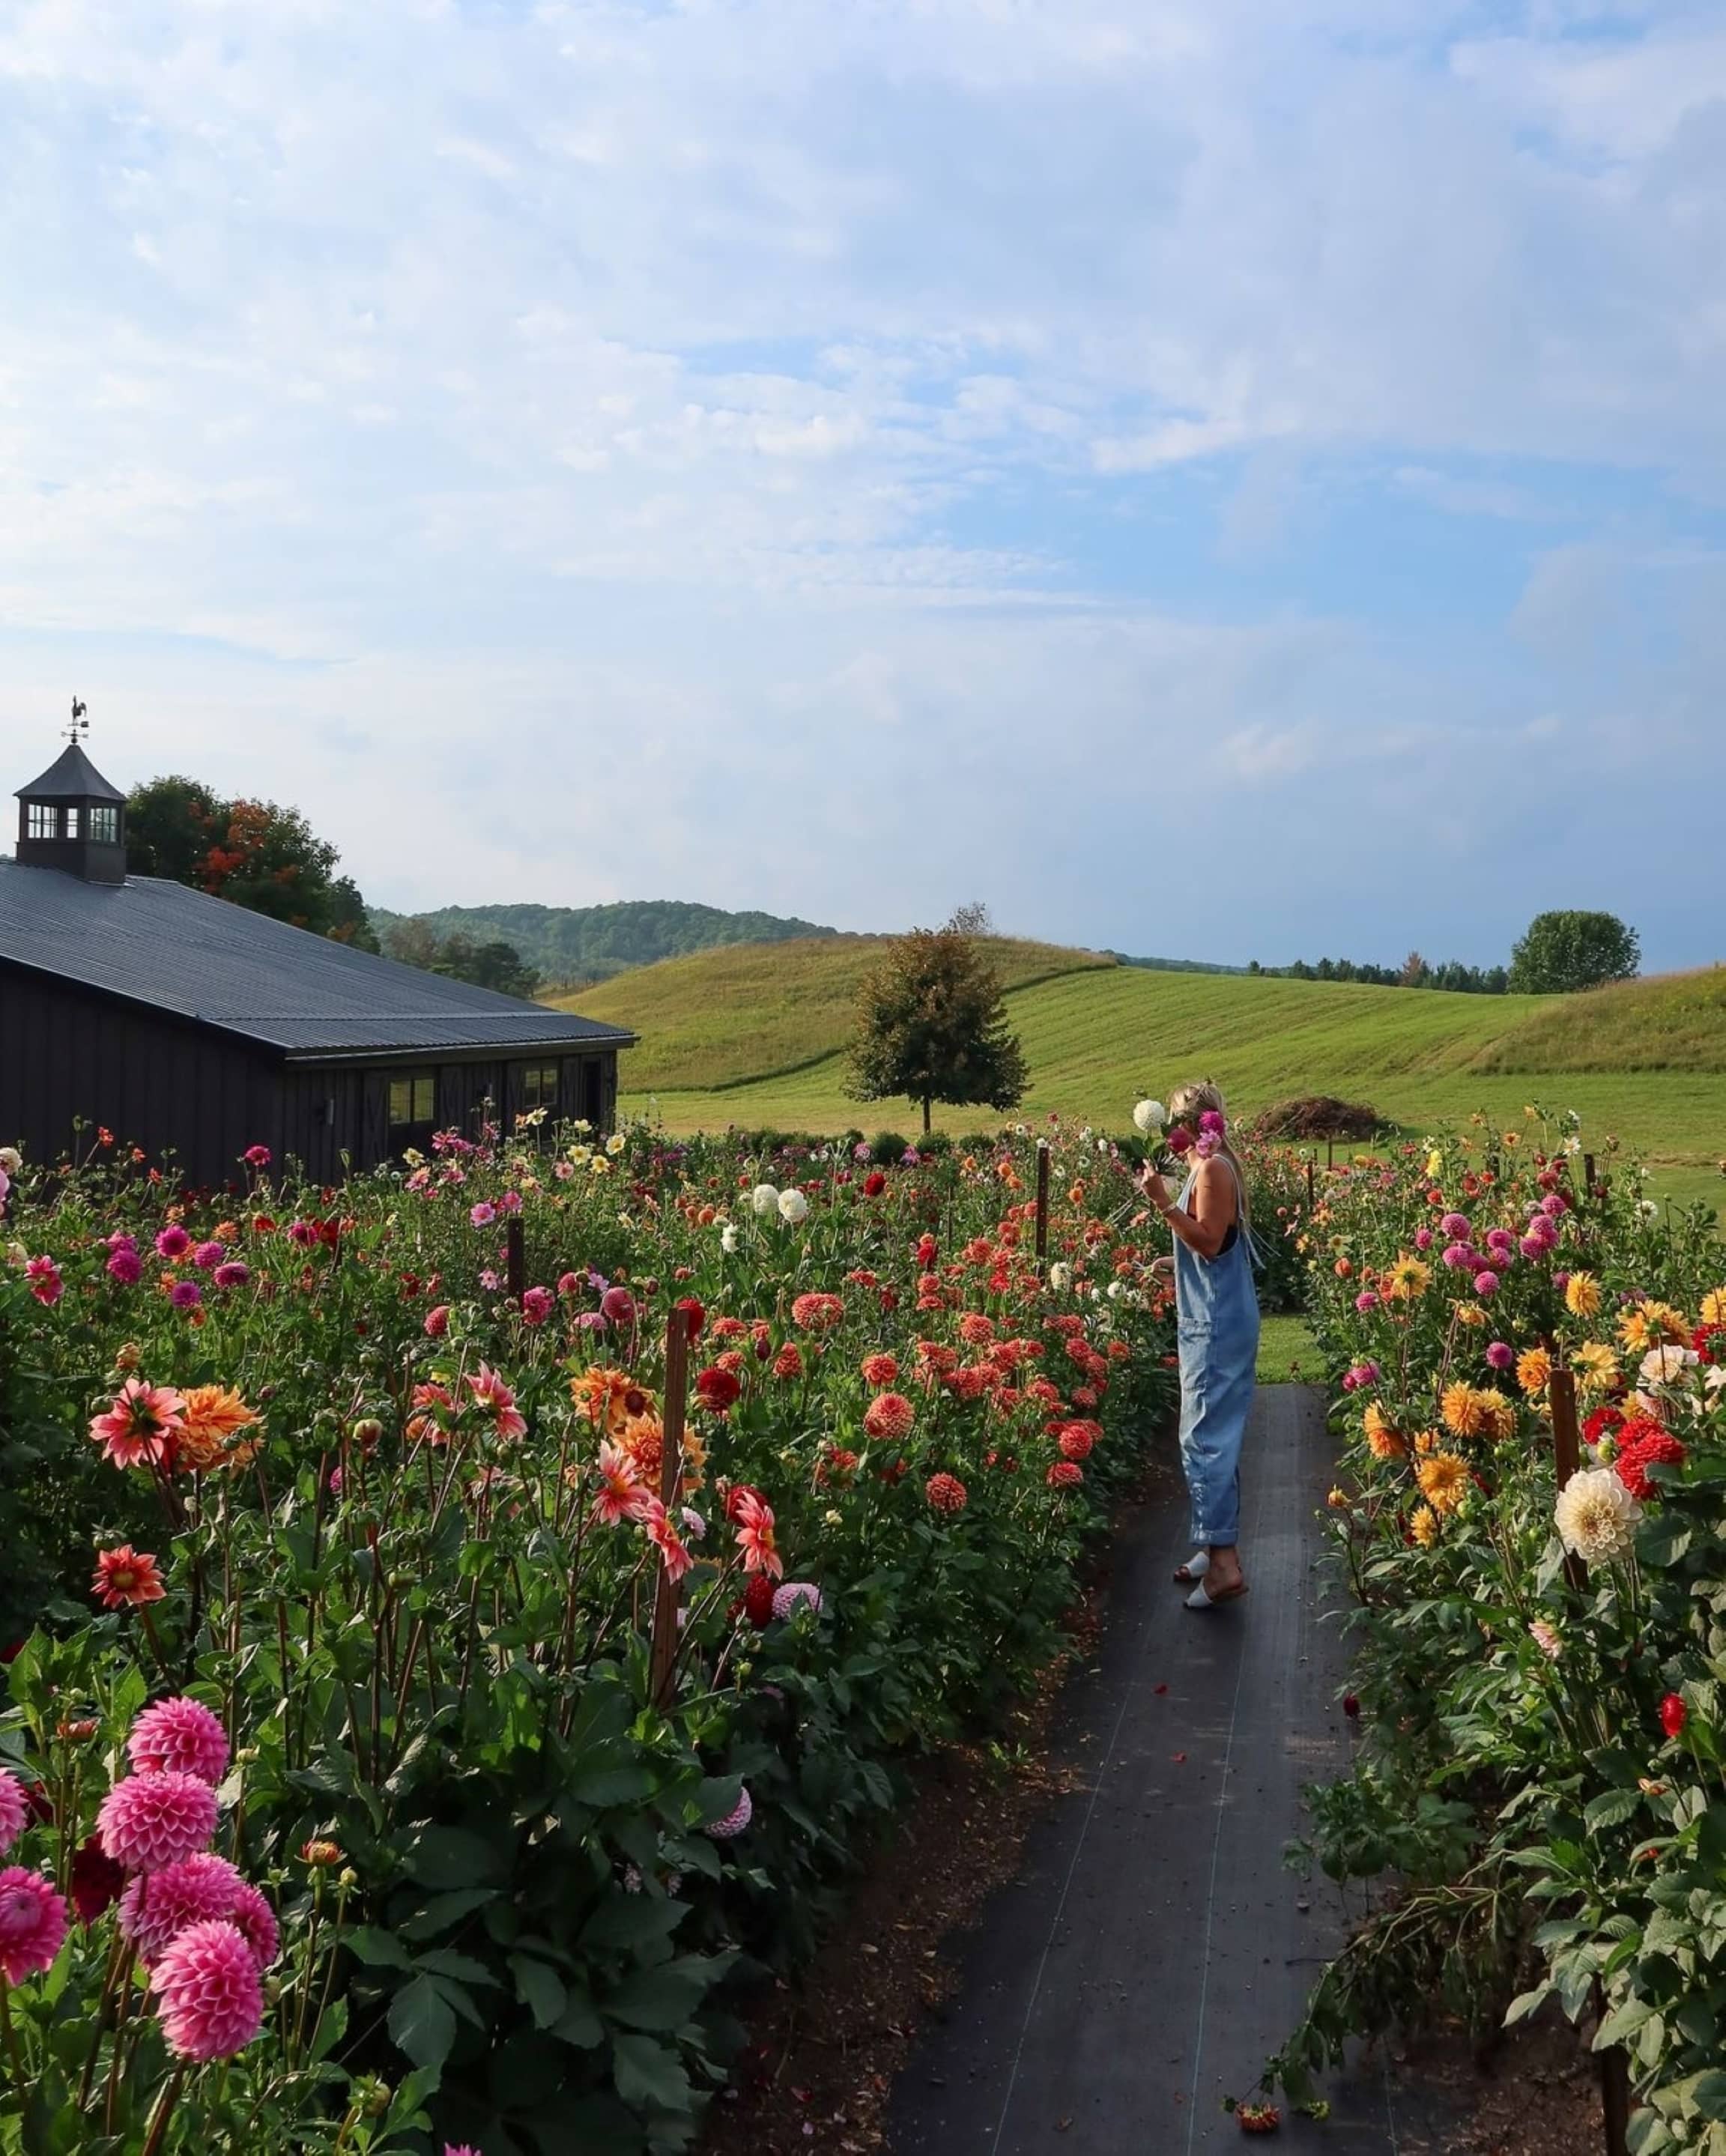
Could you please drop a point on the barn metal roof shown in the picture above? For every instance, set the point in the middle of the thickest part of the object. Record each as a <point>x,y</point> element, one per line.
<point>71,777</point>
<point>162,945</point>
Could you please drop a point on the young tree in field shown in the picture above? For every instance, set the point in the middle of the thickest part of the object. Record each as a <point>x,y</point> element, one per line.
<point>932,1025</point>
<point>1561,952</point>
<point>251,853</point>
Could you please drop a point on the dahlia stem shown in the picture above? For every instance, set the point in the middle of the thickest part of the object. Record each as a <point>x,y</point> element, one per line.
<point>10,2036</point>
<point>158,2124</point>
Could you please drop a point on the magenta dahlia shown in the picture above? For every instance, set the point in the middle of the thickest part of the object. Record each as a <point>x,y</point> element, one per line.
<point>209,1993</point>
<point>33,1922</point>
<point>181,1734</point>
<point>735,1820</point>
<point>14,1809</point>
<point>150,1820</point>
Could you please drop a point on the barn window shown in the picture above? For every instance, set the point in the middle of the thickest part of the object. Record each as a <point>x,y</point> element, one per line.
<point>74,818</point>
<point>413,1101</point>
<point>105,826</point>
<point>539,1085</point>
<point>43,821</point>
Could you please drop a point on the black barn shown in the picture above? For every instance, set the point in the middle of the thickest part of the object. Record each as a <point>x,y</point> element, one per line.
<point>191,1027</point>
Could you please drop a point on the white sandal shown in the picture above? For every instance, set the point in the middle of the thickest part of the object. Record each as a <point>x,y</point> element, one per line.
<point>1195,1567</point>
<point>1201,1597</point>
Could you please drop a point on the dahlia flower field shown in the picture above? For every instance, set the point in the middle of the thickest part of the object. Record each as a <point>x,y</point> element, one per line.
<point>1539,1671</point>
<point>344,1803</point>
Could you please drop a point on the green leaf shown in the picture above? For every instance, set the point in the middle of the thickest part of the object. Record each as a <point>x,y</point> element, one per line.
<point>444,1961</point>
<point>1612,1808</point>
<point>444,1910</point>
<point>1707,2093</point>
<point>717,1797</point>
<point>631,1922</point>
<point>451,1856</point>
<point>540,1990</point>
<point>580,2025</point>
<point>421,2024</point>
<point>608,1778</point>
<point>1525,2004</point>
<point>1663,1539</point>
<point>648,2075</point>
<point>661,1999</point>
<point>1621,2022</point>
<point>378,1949</point>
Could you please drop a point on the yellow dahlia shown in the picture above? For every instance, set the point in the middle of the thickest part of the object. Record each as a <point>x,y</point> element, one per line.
<point>1645,1325</point>
<point>1596,1367</point>
<point>1425,1526</point>
<point>1471,1313</point>
<point>1463,1411</point>
<point>1407,1278</point>
<point>1533,1369</point>
<point>1443,1477</point>
<point>1714,1307</point>
<point>1384,1441</point>
<point>1582,1295</point>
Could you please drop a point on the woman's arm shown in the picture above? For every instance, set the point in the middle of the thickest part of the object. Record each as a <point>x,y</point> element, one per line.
<point>1204,1226</point>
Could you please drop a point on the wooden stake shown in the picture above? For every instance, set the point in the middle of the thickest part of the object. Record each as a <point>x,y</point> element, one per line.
<point>1311,1183</point>
<point>515,1263</point>
<point>1567,1453</point>
<point>669,1595</point>
<point>1042,1206</point>
<point>1588,1173</point>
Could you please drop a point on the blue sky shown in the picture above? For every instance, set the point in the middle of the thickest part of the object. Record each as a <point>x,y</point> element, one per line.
<point>1234,478</point>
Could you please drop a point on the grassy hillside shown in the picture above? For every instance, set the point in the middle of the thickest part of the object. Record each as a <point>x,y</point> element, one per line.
<point>592,942</point>
<point>1674,1022</point>
<point>726,1017</point>
<point>756,1036</point>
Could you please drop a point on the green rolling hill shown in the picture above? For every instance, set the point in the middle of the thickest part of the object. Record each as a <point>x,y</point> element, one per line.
<point>756,1036</point>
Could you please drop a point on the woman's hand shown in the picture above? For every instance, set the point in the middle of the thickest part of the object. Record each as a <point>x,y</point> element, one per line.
<point>1163,1269</point>
<point>1155,1188</point>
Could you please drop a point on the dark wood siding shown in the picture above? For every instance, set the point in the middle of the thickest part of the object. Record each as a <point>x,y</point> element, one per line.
<point>70,1056</point>
<point>70,1053</point>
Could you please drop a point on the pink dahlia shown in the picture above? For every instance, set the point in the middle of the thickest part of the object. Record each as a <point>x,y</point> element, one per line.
<point>181,1734</point>
<point>33,1922</point>
<point>208,1255</point>
<point>735,1820</point>
<point>14,1810</point>
<point>126,1266</point>
<point>235,1273</point>
<point>157,1906</point>
<point>172,1242</point>
<point>210,1999</point>
<point>46,1285</point>
<point>793,1596</point>
<point>151,1821</point>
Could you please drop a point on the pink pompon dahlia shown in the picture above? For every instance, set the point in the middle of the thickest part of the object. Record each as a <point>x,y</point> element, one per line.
<point>181,1734</point>
<point>794,1595</point>
<point>209,1993</point>
<point>461,2149</point>
<point>33,1923</point>
<point>157,1906</point>
<point>151,1821</point>
<point>135,1427</point>
<point>14,1810</point>
<point>735,1820</point>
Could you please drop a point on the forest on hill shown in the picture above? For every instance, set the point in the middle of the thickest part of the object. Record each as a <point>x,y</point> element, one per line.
<point>569,945</point>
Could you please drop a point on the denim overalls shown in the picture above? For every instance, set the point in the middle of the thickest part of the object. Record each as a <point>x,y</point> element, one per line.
<point>1217,1325</point>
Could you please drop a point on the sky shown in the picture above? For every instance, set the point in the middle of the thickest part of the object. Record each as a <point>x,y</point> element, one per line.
<point>1230,479</point>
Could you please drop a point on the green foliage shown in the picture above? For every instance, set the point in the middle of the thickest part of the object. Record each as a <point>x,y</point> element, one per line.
<point>495,965</point>
<point>1559,953</point>
<point>933,1025</point>
<point>254,854</point>
<point>433,1652</point>
<point>584,943</point>
<point>1537,1799</point>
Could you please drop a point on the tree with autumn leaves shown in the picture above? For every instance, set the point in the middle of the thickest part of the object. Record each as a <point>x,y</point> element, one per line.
<point>931,1024</point>
<point>255,853</point>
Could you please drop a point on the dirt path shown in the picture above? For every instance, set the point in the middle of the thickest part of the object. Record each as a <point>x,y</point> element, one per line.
<point>1153,1949</point>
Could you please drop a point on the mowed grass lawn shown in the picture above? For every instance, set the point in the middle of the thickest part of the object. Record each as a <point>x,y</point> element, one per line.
<point>754,1037</point>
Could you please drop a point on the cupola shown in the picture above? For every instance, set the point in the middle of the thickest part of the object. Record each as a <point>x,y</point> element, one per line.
<point>71,818</point>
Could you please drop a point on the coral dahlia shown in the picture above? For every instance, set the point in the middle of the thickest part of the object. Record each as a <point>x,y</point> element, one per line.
<point>134,1427</point>
<point>947,1493</point>
<point>33,1923</point>
<point>126,1575</point>
<point>210,1996</point>
<point>182,1735</point>
<point>889,1416</point>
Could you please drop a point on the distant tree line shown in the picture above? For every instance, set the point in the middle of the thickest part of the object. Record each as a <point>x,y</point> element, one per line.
<point>576,944</point>
<point>1413,973</point>
<point>1558,954</point>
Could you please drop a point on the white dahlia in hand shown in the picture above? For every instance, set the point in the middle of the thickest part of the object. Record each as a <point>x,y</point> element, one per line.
<point>1149,1116</point>
<point>1596,1515</point>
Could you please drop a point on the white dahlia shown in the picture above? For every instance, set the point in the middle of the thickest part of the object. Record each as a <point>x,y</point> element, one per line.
<point>1149,1116</point>
<point>794,1207</point>
<point>765,1199</point>
<point>1596,1515</point>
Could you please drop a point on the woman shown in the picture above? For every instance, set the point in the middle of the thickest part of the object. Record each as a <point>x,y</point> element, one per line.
<point>1217,1325</point>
